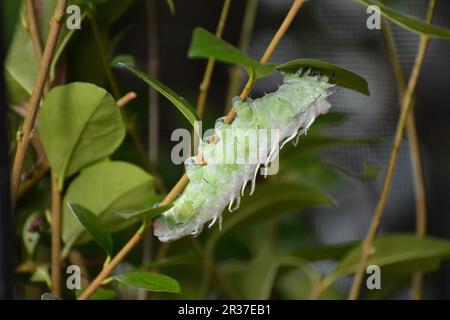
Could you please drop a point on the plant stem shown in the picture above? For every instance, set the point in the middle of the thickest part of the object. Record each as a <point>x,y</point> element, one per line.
<point>178,188</point>
<point>56,237</point>
<point>153,70</point>
<point>405,111</point>
<point>269,51</point>
<point>204,86</point>
<point>131,130</point>
<point>30,118</point>
<point>414,149</point>
<point>126,99</point>
<point>106,271</point>
<point>29,184</point>
<point>33,29</point>
<point>103,57</point>
<point>244,40</point>
<point>37,176</point>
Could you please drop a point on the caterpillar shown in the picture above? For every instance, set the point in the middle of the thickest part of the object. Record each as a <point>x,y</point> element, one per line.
<point>289,112</point>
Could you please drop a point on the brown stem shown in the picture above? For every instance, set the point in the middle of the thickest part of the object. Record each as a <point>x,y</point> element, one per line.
<point>414,149</point>
<point>44,166</point>
<point>181,184</point>
<point>126,99</point>
<point>56,237</point>
<point>248,23</point>
<point>25,136</point>
<point>110,266</point>
<point>367,245</point>
<point>269,51</point>
<point>204,86</point>
<point>33,29</point>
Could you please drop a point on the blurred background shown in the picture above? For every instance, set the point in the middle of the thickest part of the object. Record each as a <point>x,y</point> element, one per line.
<point>331,30</point>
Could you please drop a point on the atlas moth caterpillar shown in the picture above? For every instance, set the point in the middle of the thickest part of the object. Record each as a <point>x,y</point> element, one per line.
<point>289,111</point>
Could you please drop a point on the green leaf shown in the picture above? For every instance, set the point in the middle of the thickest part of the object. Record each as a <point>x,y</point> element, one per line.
<point>336,74</point>
<point>21,65</point>
<point>409,22</point>
<point>49,296</point>
<point>270,199</point>
<point>79,125</point>
<point>100,294</point>
<point>150,281</point>
<point>171,6</point>
<point>206,45</point>
<point>104,188</point>
<point>93,226</point>
<point>396,277</point>
<point>182,105</point>
<point>149,213</point>
<point>42,275</point>
<point>324,252</point>
<point>297,285</point>
<point>126,59</point>
<point>173,261</point>
<point>259,276</point>
<point>394,249</point>
<point>31,236</point>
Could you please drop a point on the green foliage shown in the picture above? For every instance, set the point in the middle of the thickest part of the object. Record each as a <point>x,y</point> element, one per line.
<point>93,226</point>
<point>30,234</point>
<point>392,250</point>
<point>81,128</point>
<point>336,74</point>
<point>408,22</point>
<point>79,124</point>
<point>206,45</point>
<point>182,105</point>
<point>150,281</point>
<point>104,188</point>
<point>21,65</point>
<point>145,215</point>
<point>171,6</point>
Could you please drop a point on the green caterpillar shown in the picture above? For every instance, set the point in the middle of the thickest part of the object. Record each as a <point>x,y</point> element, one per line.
<point>288,112</point>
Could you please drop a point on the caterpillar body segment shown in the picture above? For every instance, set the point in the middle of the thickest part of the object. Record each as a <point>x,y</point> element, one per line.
<point>260,128</point>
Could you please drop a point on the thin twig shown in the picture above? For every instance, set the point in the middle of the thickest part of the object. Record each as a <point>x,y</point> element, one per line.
<point>26,132</point>
<point>56,237</point>
<point>126,99</point>
<point>131,130</point>
<point>269,51</point>
<point>248,24</point>
<point>33,29</point>
<point>204,85</point>
<point>153,122</point>
<point>414,149</point>
<point>367,245</point>
<point>44,166</point>
<point>178,188</point>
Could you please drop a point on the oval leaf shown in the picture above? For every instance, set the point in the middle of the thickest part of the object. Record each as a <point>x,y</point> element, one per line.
<point>206,45</point>
<point>104,188</point>
<point>394,249</point>
<point>171,6</point>
<point>336,74</point>
<point>79,124</point>
<point>150,281</point>
<point>409,22</point>
<point>149,213</point>
<point>30,232</point>
<point>93,226</point>
<point>182,105</point>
